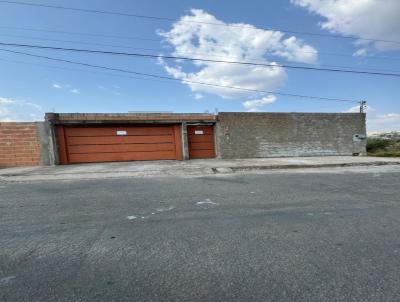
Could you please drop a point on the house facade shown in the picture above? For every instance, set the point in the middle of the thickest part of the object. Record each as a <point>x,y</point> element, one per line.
<point>70,138</point>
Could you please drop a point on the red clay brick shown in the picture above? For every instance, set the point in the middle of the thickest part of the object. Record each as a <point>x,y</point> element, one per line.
<point>19,144</point>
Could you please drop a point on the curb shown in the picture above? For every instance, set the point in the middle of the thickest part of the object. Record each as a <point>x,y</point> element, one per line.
<point>224,170</point>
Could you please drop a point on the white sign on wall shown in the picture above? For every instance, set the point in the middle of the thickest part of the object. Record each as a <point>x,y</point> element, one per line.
<point>359,137</point>
<point>122,132</point>
<point>198,132</point>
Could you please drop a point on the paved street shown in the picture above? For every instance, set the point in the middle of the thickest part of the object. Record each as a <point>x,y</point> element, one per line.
<point>275,236</point>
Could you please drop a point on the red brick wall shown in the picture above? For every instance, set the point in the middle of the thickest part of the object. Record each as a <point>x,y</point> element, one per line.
<point>19,144</point>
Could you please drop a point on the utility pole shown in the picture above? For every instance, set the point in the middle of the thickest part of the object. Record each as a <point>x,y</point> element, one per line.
<point>363,106</point>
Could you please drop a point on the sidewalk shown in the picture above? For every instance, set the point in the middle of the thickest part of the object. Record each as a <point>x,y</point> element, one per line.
<point>184,168</point>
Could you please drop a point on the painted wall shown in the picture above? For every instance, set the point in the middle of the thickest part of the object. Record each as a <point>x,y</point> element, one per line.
<point>257,135</point>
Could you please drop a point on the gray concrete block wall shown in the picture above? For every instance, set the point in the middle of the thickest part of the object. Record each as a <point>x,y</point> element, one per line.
<point>257,135</point>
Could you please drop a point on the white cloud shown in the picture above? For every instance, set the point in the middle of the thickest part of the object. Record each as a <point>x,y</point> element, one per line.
<point>66,86</point>
<point>240,42</point>
<point>362,52</point>
<point>390,117</point>
<point>256,105</point>
<point>57,86</point>
<point>377,19</point>
<point>6,101</point>
<point>384,122</point>
<point>198,96</point>
<point>356,109</point>
<point>378,122</point>
<point>295,50</point>
<point>12,110</point>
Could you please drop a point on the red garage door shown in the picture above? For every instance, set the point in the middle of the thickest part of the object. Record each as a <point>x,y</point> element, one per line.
<point>119,143</point>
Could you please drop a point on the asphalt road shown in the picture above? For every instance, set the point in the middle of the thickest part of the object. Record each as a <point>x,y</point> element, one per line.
<point>266,237</point>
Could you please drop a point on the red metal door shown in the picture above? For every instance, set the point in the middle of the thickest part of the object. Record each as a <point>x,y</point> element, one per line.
<point>201,141</point>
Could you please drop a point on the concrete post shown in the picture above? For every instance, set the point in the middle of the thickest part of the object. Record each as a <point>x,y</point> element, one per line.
<point>47,154</point>
<point>185,144</point>
<point>217,130</point>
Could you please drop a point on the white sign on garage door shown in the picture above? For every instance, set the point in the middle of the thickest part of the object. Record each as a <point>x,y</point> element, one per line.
<point>122,132</point>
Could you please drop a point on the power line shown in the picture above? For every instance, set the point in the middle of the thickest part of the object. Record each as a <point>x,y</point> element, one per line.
<point>194,22</point>
<point>180,80</point>
<point>352,71</point>
<point>111,74</point>
<point>78,42</point>
<point>157,40</point>
<point>141,38</point>
<point>318,108</point>
<point>178,53</point>
<point>80,70</point>
<point>80,33</point>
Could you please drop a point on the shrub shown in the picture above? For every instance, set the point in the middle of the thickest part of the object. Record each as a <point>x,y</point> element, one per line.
<point>377,144</point>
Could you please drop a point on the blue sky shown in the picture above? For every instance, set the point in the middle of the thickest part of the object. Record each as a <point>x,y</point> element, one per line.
<point>31,86</point>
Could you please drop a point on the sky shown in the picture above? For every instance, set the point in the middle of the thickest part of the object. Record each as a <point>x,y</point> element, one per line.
<point>266,32</point>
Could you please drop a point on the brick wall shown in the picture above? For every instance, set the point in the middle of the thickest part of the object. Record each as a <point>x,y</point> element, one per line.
<point>19,144</point>
<point>257,135</point>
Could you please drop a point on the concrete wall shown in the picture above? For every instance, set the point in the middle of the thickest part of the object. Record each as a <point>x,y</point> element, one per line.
<point>238,135</point>
<point>257,135</point>
<point>48,153</point>
<point>25,144</point>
